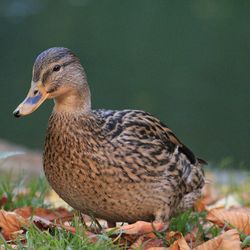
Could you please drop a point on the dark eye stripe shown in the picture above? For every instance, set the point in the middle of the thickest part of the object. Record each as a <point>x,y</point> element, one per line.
<point>49,71</point>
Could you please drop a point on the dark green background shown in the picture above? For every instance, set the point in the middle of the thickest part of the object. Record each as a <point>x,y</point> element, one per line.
<point>187,62</point>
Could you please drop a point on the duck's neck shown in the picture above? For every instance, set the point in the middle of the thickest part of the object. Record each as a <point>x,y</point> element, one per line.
<point>78,100</point>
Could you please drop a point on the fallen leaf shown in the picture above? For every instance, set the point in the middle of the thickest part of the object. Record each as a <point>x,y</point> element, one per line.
<point>59,214</point>
<point>173,234</point>
<point>45,224</point>
<point>10,222</point>
<point>157,248</point>
<point>199,205</point>
<point>25,212</point>
<point>152,244</point>
<point>3,201</point>
<point>180,242</point>
<point>240,220</point>
<point>227,241</point>
<point>146,243</point>
<point>245,210</point>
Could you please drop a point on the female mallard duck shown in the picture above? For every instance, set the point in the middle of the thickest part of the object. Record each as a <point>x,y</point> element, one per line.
<point>116,165</point>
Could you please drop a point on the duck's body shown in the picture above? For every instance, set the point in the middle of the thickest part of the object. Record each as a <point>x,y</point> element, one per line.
<point>117,165</point>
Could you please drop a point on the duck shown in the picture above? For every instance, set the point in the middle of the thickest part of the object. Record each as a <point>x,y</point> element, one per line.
<point>118,165</point>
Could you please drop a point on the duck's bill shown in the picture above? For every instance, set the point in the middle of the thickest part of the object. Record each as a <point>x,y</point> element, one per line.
<point>36,96</point>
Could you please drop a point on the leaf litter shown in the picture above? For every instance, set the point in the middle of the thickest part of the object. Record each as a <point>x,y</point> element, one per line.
<point>211,225</point>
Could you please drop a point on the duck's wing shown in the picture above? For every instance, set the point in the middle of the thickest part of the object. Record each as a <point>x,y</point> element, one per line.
<point>140,140</point>
<point>140,127</point>
<point>140,137</point>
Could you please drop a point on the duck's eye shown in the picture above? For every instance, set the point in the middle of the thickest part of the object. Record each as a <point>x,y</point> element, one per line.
<point>57,67</point>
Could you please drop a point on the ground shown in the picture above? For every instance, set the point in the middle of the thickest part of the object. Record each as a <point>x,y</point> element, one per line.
<point>32,216</point>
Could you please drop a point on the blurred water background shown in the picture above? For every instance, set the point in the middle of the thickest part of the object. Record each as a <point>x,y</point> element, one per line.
<point>187,62</point>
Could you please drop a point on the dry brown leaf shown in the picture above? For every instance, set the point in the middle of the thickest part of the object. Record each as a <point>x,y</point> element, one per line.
<point>237,219</point>
<point>3,201</point>
<point>173,234</point>
<point>59,214</point>
<point>25,212</point>
<point>199,205</point>
<point>146,243</point>
<point>245,210</point>
<point>226,241</point>
<point>152,244</point>
<point>10,223</point>
<point>180,242</point>
<point>158,248</point>
<point>44,224</point>
<point>137,243</point>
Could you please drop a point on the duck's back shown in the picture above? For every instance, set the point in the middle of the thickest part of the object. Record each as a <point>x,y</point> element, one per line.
<point>118,165</point>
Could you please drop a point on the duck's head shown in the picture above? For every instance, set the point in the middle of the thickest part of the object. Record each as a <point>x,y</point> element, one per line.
<point>58,74</point>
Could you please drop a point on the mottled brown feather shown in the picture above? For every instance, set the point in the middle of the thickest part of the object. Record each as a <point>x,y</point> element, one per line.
<point>118,165</point>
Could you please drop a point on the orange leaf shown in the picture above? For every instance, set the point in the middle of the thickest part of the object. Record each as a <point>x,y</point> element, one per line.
<point>157,248</point>
<point>240,220</point>
<point>49,214</point>
<point>172,234</point>
<point>10,223</point>
<point>180,243</point>
<point>146,243</point>
<point>25,212</point>
<point>3,201</point>
<point>199,205</point>
<point>226,241</point>
<point>44,224</point>
<point>245,210</point>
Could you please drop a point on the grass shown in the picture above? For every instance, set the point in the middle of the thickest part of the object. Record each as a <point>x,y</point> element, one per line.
<point>58,239</point>
<point>20,193</point>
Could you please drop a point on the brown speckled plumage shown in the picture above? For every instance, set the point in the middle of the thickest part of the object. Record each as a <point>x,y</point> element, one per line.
<point>117,165</point>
